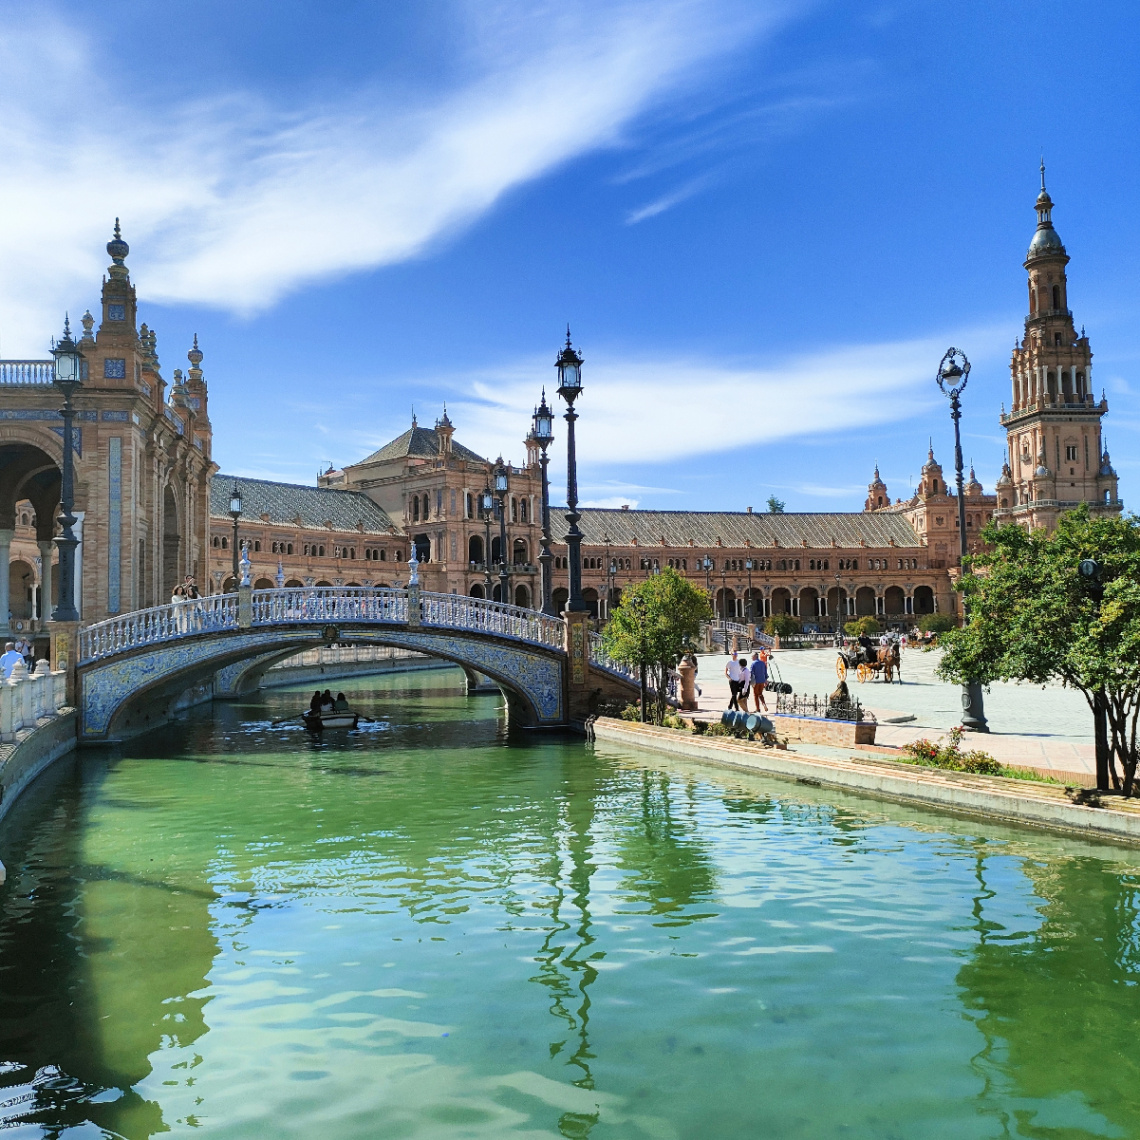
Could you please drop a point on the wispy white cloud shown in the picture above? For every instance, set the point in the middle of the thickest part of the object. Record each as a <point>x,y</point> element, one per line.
<point>644,410</point>
<point>667,201</point>
<point>236,200</point>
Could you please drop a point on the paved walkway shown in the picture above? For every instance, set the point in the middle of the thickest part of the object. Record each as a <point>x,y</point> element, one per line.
<point>1047,728</point>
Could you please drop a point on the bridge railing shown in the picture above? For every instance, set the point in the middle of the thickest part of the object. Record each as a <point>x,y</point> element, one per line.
<point>600,659</point>
<point>317,606</point>
<point>156,625</point>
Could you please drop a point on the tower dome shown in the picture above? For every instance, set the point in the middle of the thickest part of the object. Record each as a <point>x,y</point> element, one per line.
<point>1046,241</point>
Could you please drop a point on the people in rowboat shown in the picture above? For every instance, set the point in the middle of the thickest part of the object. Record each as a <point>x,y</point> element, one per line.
<point>315,703</point>
<point>327,702</point>
<point>341,704</point>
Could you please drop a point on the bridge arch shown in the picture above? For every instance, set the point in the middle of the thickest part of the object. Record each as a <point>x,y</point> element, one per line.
<point>134,667</point>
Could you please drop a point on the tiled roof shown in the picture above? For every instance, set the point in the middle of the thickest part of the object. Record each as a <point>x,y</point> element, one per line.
<point>284,503</point>
<point>422,443</point>
<point>734,528</point>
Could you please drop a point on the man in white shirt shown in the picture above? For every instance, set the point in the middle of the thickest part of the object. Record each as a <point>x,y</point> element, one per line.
<point>737,674</point>
<point>8,659</point>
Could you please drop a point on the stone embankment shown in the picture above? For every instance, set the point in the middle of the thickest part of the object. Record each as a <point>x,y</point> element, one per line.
<point>36,729</point>
<point>1052,806</point>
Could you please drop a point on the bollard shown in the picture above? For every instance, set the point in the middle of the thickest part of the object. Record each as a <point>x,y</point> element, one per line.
<point>688,677</point>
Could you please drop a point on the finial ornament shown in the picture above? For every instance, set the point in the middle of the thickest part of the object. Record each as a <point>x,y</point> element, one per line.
<point>1042,172</point>
<point>118,249</point>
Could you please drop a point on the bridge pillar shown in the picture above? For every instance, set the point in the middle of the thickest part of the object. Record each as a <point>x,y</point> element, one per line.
<point>414,611</point>
<point>65,653</point>
<point>577,647</point>
<point>245,607</point>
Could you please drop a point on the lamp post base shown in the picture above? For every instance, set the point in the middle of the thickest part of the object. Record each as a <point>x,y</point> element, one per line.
<point>973,708</point>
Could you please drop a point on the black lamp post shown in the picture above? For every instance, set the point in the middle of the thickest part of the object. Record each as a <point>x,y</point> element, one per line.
<point>748,615</point>
<point>235,514</point>
<point>724,589</point>
<point>569,366</point>
<point>543,433</point>
<point>707,565</point>
<point>68,375</point>
<point>838,605</point>
<point>502,481</point>
<point>953,373</point>
<point>1091,575</point>
<point>487,509</point>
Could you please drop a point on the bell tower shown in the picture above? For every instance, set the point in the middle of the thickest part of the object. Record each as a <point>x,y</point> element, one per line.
<point>1056,453</point>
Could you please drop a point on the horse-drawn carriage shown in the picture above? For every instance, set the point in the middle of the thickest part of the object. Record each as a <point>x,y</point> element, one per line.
<point>878,661</point>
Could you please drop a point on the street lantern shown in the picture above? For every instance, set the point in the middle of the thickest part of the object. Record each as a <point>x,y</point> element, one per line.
<point>569,367</point>
<point>67,376</point>
<point>748,564</point>
<point>502,482</point>
<point>953,375</point>
<point>235,514</point>
<point>487,510</point>
<point>542,432</point>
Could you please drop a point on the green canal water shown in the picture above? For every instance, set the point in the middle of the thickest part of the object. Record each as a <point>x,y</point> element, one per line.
<point>430,928</point>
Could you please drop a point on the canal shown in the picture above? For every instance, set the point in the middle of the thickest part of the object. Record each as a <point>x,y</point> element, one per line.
<point>428,928</point>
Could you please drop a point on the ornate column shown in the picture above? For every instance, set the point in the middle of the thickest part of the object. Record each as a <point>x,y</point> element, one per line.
<point>6,536</point>
<point>46,546</point>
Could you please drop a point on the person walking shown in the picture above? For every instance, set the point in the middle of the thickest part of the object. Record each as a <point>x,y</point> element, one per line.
<point>9,659</point>
<point>737,674</point>
<point>758,675</point>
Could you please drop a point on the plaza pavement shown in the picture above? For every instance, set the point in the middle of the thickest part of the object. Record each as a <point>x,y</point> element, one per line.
<point>1046,728</point>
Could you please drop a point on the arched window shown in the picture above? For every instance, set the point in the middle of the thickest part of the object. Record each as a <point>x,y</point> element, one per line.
<point>384,556</point>
<point>289,548</point>
<point>427,506</point>
<point>1056,296</point>
<point>320,552</point>
<point>514,509</point>
<point>257,545</point>
<point>225,543</point>
<point>522,510</point>
<point>416,508</point>
<point>470,506</point>
<point>215,542</point>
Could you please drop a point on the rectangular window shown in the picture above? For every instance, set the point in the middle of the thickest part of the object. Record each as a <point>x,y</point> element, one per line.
<point>116,312</point>
<point>1071,452</point>
<point>114,368</point>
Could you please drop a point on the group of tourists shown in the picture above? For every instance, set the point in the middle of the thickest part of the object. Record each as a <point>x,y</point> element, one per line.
<point>324,703</point>
<point>746,676</point>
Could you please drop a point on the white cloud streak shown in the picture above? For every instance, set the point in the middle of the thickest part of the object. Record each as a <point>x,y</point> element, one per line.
<point>643,410</point>
<point>234,202</point>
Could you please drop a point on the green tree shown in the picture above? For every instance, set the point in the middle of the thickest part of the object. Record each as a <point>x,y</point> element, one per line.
<point>656,622</point>
<point>775,506</point>
<point>864,625</point>
<point>1032,618</point>
<point>782,625</point>
<point>937,623</point>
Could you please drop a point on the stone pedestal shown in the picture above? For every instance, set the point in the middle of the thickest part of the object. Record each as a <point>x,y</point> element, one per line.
<point>63,637</point>
<point>245,607</point>
<point>577,646</point>
<point>414,611</point>
<point>688,687</point>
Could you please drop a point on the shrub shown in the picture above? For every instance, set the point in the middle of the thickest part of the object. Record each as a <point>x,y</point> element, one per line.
<point>631,712</point>
<point>951,756</point>
<point>937,623</point>
<point>864,625</point>
<point>782,625</point>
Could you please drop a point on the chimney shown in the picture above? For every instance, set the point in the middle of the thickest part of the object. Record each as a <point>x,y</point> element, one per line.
<point>625,506</point>
<point>750,510</point>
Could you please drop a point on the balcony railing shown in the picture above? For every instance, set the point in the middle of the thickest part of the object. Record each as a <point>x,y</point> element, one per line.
<point>27,373</point>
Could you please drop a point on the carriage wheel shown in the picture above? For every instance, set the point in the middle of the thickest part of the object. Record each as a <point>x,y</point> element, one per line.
<point>864,673</point>
<point>841,668</point>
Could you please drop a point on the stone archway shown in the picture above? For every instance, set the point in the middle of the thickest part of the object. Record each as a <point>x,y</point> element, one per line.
<point>865,601</point>
<point>894,601</point>
<point>923,600</point>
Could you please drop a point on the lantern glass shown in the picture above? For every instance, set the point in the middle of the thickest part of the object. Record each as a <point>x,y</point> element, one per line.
<point>235,502</point>
<point>543,424</point>
<point>501,479</point>
<point>488,501</point>
<point>569,374</point>
<point>66,366</point>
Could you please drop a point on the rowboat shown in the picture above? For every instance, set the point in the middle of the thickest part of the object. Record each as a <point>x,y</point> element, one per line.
<point>318,721</point>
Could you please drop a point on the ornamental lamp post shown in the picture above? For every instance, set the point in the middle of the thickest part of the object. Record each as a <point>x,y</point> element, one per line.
<point>487,509</point>
<point>569,366</point>
<point>953,374</point>
<point>502,482</point>
<point>542,431</point>
<point>235,514</point>
<point>748,616</point>
<point>838,606</point>
<point>67,376</point>
<point>707,565</point>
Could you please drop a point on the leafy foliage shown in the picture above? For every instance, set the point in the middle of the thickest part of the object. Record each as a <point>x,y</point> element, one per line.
<point>950,755</point>
<point>937,623</point>
<point>782,625</point>
<point>775,506</point>
<point>656,622</point>
<point>864,625</point>
<point>1032,618</point>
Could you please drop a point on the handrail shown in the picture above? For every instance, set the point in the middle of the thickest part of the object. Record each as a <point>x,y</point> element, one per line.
<point>27,372</point>
<point>316,606</point>
<point>600,659</point>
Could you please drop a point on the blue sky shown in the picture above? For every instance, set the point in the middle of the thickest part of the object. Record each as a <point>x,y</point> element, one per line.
<point>764,222</point>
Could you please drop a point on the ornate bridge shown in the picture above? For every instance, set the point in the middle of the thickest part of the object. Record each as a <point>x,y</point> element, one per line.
<point>131,669</point>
